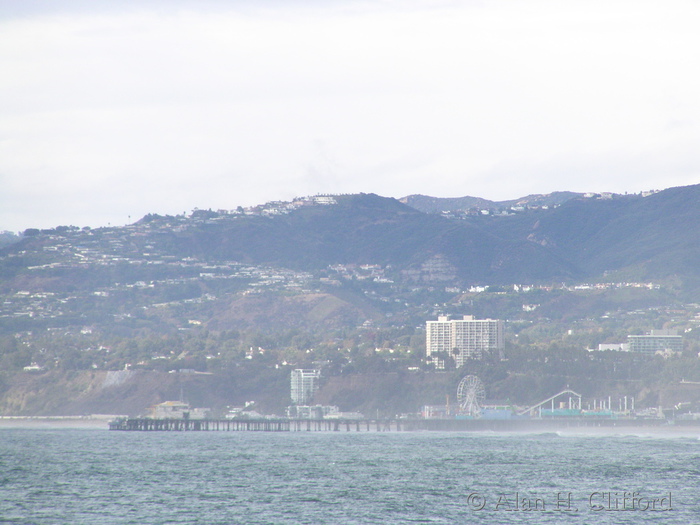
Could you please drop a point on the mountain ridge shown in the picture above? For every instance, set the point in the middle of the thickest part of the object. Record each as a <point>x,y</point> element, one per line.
<point>581,238</point>
<point>428,204</point>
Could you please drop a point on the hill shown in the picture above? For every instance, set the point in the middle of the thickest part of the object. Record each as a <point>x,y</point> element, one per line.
<point>351,257</point>
<point>344,283</point>
<point>428,204</point>
<point>650,237</point>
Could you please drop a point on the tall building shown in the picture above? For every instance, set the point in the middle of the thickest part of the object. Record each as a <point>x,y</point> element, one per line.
<point>463,339</point>
<point>656,341</point>
<point>304,385</point>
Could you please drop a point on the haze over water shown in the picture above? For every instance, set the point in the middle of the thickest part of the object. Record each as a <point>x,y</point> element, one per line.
<point>92,477</point>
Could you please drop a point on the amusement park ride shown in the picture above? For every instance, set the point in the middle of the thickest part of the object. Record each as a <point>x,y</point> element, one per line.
<point>471,396</point>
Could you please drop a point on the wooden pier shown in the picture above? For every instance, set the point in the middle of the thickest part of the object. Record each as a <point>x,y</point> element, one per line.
<point>377,425</point>
<point>259,425</point>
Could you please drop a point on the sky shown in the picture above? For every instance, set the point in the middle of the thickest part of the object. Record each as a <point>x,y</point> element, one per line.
<point>110,110</point>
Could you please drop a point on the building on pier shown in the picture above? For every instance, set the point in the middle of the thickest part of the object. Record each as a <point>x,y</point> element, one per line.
<point>311,412</point>
<point>320,412</point>
<point>178,410</point>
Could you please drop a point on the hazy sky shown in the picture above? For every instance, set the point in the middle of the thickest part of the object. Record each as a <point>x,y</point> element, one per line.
<point>113,109</point>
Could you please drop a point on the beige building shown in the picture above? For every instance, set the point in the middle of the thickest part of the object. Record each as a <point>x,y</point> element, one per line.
<point>462,339</point>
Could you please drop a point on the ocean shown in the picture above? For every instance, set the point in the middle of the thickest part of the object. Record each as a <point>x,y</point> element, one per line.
<point>80,476</point>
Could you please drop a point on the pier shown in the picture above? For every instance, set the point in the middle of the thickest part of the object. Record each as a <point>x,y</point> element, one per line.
<point>379,425</point>
<point>259,425</point>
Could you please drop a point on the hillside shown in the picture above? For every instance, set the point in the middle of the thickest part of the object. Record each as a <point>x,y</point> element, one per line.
<point>428,204</point>
<point>360,229</point>
<point>370,229</point>
<point>653,237</point>
<point>582,238</point>
<point>334,263</point>
<point>344,283</point>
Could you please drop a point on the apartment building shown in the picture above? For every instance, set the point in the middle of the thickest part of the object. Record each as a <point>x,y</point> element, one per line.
<point>462,339</point>
<point>304,384</point>
<point>656,341</point>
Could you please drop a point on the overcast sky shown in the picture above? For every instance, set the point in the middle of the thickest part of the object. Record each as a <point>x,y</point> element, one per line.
<point>113,109</point>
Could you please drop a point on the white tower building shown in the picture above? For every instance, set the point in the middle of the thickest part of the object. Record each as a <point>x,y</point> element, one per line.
<point>304,385</point>
<point>463,339</point>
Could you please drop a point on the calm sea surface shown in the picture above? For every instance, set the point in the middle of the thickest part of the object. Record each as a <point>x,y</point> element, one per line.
<point>101,477</point>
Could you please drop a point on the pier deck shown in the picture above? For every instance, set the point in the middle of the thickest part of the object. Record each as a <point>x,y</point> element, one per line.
<point>249,425</point>
<point>378,425</point>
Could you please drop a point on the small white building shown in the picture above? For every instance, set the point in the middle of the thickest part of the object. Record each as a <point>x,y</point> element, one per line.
<point>614,347</point>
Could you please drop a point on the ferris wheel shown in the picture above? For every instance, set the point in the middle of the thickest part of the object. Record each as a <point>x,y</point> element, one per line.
<point>471,395</point>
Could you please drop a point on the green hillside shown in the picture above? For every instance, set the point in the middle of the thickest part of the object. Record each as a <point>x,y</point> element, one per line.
<point>652,237</point>
<point>346,283</point>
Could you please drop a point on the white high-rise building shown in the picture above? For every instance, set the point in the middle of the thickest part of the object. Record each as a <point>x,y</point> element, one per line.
<point>304,385</point>
<point>463,339</point>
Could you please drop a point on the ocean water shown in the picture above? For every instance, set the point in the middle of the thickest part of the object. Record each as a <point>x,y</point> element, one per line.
<point>101,477</point>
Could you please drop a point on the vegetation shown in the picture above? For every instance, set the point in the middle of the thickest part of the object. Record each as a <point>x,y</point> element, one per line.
<point>347,287</point>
